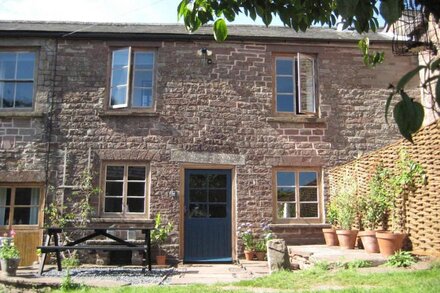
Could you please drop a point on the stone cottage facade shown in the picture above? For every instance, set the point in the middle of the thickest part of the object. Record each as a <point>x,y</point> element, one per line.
<point>210,135</point>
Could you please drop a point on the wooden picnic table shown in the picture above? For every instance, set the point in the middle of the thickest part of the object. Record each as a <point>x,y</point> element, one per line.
<point>52,242</point>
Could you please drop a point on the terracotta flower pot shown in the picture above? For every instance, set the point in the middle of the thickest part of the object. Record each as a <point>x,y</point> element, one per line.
<point>249,255</point>
<point>330,237</point>
<point>261,255</point>
<point>389,242</point>
<point>161,260</point>
<point>369,241</point>
<point>347,238</point>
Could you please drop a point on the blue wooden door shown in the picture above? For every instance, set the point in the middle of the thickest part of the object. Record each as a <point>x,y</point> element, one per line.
<point>207,216</point>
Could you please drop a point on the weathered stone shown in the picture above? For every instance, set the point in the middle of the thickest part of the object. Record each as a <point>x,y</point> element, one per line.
<point>277,255</point>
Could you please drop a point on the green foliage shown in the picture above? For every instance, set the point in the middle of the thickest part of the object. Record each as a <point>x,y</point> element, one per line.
<point>261,245</point>
<point>370,60</point>
<point>356,264</point>
<point>67,284</point>
<point>71,262</point>
<point>321,266</point>
<point>346,202</point>
<point>401,259</point>
<point>332,213</point>
<point>9,251</point>
<point>373,206</point>
<point>161,232</point>
<point>248,240</point>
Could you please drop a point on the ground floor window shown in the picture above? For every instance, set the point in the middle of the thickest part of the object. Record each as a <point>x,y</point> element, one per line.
<point>19,205</point>
<point>296,194</point>
<point>125,189</point>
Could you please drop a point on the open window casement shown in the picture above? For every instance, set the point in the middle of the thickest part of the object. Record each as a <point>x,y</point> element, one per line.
<point>306,84</point>
<point>120,78</point>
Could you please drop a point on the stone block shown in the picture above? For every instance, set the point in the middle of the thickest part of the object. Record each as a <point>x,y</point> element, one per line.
<point>277,255</point>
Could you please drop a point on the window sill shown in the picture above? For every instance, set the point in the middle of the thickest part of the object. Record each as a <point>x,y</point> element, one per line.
<point>115,113</point>
<point>121,220</point>
<point>300,225</point>
<point>296,119</point>
<point>21,114</point>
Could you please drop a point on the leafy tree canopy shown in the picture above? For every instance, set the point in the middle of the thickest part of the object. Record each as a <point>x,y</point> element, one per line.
<point>362,15</point>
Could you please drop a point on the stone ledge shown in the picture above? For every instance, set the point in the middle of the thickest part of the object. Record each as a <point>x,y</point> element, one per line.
<point>23,176</point>
<point>21,114</point>
<point>128,114</point>
<point>296,119</point>
<point>300,225</point>
<point>115,220</point>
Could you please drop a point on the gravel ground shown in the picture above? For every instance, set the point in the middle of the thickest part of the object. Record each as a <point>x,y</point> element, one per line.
<point>126,275</point>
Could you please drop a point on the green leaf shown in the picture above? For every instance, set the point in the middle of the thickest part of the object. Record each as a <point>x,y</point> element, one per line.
<point>181,9</point>
<point>409,116</point>
<point>220,30</point>
<point>437,92</point>
<point>346,8</point>
<point>387,106</point>
<point>435,64</point>
<point>391,10</point>
<point>408,76</point>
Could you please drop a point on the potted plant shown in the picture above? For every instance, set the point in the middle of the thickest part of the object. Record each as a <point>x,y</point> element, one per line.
<point>261,245</point>
<point>9,258</point>
<point>373,209</point>
<point>330,233</point>
<point>159,235</point>
<point>403,181</point>
<point>347,207</point>
<point>245,233</point>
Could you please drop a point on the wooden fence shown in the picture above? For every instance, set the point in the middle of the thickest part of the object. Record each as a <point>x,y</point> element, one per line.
<point>422,208</point>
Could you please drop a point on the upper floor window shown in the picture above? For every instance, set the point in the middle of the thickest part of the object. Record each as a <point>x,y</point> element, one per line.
<point>16,79</point>
<point>132,78</point>
<point>297,195</point>
<point>295,84</point>
<point>19,206</point>
<point>125,189</point>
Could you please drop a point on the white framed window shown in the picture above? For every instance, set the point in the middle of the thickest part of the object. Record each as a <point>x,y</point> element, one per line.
<point>19,205</point>
<point>125,189</point>
<point>17,72</point>
<point>295,84</point>
<point>132,78</point>
<point>297,195</point>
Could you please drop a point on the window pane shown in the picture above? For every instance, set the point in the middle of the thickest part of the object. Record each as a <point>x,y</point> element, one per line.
<point>217,195</point>
<point>198,195</point>
<point>113,188</point>
<point>217,181</point>
<point>25,65</point>
<point>286,210</point>
<point>285,179</point>
<point>23,196</point>
<point>23,98</point>
<point>118,95</point>
<point>285,103</point>
<point>307,85</point>
<point>142,97</point>
<point>7,65</point>
<point>135,205</point>
<point>197,181</point>
<point>308,194</point>
<point>143,79</point>
<point>284,67</point>
<point>217,211</point>
<point>136,189</point>
<point>22,216</point>
<point>309,210</point>
<point>119,77</point>
<point>115,173</point>
<point>286,194</point>
<point>120,58</point>
<point>198,211</point>
<point>7,93</point>
<point>136,173</point>
<point>284,85</point>
<point>5,196</point>
<point>144,60</point>
<point>307,179</point>
<point>113,205</point>
<point>4,216</point>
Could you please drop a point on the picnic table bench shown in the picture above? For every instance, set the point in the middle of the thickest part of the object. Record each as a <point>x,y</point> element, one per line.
<point>122,245</point>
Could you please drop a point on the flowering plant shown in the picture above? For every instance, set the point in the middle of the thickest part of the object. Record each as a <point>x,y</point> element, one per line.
<point>267,235</point>
<point>245,233</point>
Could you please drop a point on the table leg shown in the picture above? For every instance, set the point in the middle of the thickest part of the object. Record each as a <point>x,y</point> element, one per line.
<point>57,253</point>
<point>43,255</point>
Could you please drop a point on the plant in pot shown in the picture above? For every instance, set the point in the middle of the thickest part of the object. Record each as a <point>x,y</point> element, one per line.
<point>245,234</point>
<point>159,235</point>
<point>261,245</point>
<point>373,208</point>
<point>347,207</point>
<point>403,181</point>
<point>9,258</point>
<point>330,233</point>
